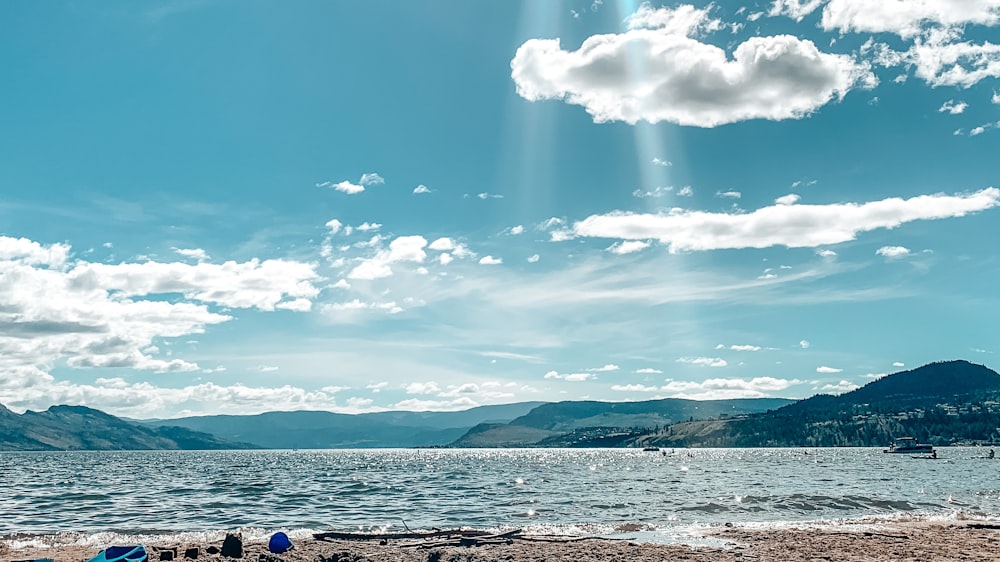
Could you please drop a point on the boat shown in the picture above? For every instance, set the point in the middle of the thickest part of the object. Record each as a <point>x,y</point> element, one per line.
<point>651,448</point>
<point>908,445</point>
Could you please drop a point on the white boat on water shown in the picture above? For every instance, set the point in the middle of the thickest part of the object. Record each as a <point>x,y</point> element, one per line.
<point>908,445</point>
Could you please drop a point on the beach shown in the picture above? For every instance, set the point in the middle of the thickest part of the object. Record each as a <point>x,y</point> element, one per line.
<point>904,541</point>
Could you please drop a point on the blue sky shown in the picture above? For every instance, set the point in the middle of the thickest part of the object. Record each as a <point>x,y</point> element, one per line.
<point>235,207</point>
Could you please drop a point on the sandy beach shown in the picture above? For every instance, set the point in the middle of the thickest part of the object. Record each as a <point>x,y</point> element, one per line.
<point>919,541</point>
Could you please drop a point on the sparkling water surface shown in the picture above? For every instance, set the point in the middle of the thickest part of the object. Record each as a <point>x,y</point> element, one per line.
<point>576,490</point>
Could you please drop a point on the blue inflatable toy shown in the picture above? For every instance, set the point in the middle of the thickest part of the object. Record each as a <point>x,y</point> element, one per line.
<point>135,553</point>
<point>279,543</point>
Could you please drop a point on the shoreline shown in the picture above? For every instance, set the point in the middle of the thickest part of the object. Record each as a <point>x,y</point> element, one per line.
<point>903,540</point>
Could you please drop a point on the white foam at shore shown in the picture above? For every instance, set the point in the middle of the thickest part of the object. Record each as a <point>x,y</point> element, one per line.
<point>697,534</point>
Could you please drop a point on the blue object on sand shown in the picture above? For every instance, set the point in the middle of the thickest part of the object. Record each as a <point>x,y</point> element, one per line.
<point>279,543</point>
<point>135,553</point>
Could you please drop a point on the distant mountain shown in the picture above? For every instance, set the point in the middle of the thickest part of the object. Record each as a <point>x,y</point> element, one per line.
<point>563,423</point>
<point>940,403</point>
<point>327,430</point>
<point>82,428</point>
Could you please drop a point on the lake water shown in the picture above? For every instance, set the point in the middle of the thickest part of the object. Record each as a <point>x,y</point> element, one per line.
<point>77,496</point>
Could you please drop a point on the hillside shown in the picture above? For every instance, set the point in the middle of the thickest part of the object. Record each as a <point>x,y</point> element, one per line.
<point>942,403</point>
<point>82,428</point>
<point>589,423</point>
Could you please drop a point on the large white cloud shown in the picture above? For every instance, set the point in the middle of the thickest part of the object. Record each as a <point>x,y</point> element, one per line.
<point>89,315</point>
<point>662,73</point>
<point>793,226</point>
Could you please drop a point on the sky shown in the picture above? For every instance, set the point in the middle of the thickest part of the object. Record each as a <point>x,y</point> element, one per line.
<point>243,206</point>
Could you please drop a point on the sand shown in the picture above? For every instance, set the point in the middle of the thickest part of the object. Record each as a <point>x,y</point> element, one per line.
<point>920,541</point>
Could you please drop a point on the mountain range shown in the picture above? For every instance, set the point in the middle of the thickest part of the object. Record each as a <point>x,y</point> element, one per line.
<point>942,403</point>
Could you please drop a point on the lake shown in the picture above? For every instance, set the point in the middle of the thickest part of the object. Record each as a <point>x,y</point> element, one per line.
<point>75,495</point>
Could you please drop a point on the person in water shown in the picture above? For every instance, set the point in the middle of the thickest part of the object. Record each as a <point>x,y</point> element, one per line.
<point>992,454</point>
<point>933,454</point>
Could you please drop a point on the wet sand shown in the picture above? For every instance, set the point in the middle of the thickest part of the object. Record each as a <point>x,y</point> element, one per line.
<point>920,541</point>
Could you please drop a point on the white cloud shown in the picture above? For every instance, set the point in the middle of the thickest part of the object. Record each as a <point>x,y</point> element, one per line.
<point>684,20</point>
<point>685,191</point>
<point>193,253</point>
<point>795,9</point>
<point>252,284</point>
<point>665,163</point>
<point>515,230</point>
<point>727,388</point>
<point>649,371</point>
<point>371,179</point>
<point>118,397</point>
<point>745,347</point>
<point>839,388</point>
<point>349,188</point>
<point>793,226</point>
<point>995,98</point>
<point>826,253</point>
<point>429,387</point>
<point>605,369</point>
<point>953,107</point>
<point>979,130</point>
<point>729,194</point>
<point>445,258</point>
<point>29,252</point>
<point>941,58</point>
<point>401,249</point>
<point>369,270</point>
<point>334,225</point>
<point>907,18</point>
<point>828,370</point>
<point>533,258</point>
<point>685,81</point>
<point>704,361</point>
<point>421,189</point>
<point>93,315</point>
<point>490,260</point>
<point>628,247</point>
<point>368,226</point>
<point>485,195</point>
<point>570,377</point>
<point>658,191</point>
<point>337,310</point>
<point>442,244</point>
<point>550,223</point>
<point>377,387</point>
<point>804,344</point>
<point>893,251</point>
<point>789,199</point>
<point>341,284</point>
<point>634,388</point>
<point>898,364</point>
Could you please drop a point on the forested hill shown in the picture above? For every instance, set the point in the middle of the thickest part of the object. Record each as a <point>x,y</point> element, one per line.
<point>944,403</point>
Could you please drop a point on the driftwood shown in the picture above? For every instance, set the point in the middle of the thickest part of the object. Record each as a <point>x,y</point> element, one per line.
<point>396,536</point>
<point>442,538</point>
